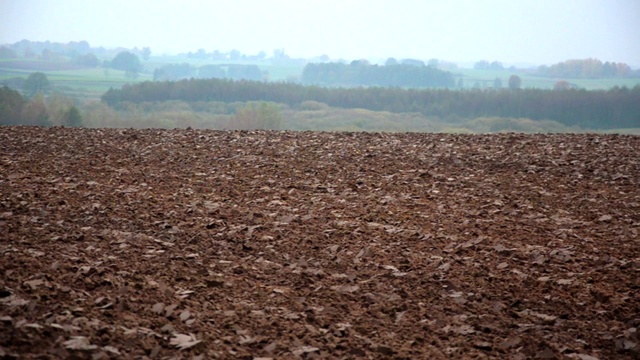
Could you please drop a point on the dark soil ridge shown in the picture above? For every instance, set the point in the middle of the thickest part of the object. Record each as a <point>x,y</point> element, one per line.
<point>161,244</point>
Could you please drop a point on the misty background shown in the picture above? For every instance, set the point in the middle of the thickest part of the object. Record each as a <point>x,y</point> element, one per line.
<point>514,32</point>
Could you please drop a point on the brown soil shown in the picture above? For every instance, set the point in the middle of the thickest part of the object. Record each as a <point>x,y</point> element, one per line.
<point>201,244</point>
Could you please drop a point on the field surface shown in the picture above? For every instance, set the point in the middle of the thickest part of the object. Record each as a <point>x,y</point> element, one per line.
<point>200,244</point>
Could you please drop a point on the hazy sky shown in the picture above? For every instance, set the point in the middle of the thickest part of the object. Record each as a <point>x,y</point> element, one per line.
<point>511,31</point>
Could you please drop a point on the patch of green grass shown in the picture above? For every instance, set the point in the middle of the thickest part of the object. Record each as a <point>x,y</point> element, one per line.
<point>485,78</point>
<point>283,72</point>
<point>597,84</point>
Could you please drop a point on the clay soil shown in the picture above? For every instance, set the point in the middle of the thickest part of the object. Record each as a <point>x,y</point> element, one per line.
<point>160,244</point>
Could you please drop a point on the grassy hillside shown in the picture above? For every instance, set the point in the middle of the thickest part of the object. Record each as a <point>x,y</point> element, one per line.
<point>90,83</point>
<point>71,80</point>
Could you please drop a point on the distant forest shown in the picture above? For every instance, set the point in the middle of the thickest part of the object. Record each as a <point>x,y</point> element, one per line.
<point>587,69</point>
<point>318,70</point>
<point>615,108</point>
<point>357,73</point>
<point>55,51</point>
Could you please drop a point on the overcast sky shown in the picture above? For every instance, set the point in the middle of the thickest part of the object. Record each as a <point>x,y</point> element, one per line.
<point>511,31</point>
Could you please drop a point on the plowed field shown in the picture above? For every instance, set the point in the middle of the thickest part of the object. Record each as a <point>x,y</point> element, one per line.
<point>201,244</point>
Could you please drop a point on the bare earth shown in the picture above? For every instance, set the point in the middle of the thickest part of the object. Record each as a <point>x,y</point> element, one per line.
<point>201,244</point>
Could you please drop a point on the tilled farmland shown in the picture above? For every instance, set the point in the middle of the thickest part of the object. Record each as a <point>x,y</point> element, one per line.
<point>119,243</point>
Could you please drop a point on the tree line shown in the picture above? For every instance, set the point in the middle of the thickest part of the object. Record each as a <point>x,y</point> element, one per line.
<point>56,51</point>
<point>588,69</point>
<point>615,108</point>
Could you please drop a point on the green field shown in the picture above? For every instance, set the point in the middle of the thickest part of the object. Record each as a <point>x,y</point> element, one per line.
<point>485,78</point>
<point>83,83</point>
<point>91,83</point>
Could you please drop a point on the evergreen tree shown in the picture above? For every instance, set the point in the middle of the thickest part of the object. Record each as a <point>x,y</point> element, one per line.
<point>73,117</point>
<point>127,62</point>
<point>515,82</point>
<point>11,103</point>
<point>35,83</point>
